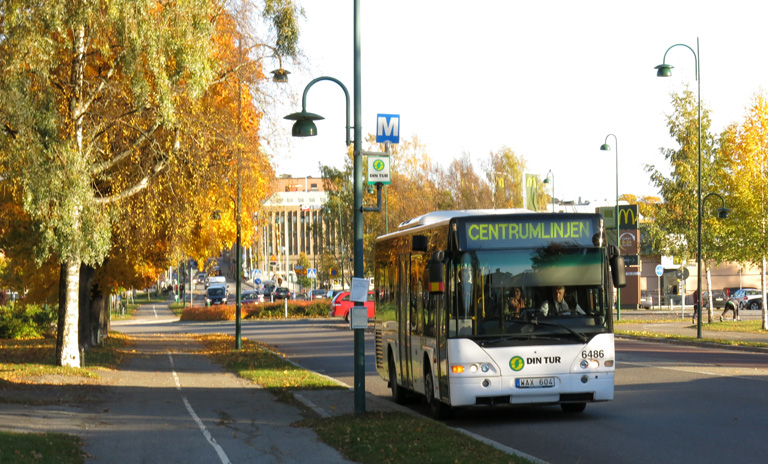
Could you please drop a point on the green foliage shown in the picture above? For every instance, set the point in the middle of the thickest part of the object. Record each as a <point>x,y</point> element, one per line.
<point>27,321</point>
<point>674,228</point>
<point>745,154</point>
<point>284,15</point>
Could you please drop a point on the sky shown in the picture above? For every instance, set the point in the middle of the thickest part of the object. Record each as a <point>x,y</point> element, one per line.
<point>548,79</point>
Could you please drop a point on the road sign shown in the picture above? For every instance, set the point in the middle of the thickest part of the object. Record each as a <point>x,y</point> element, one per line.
<point>659,270</point>
<point>312,273</point>
<point>631,260</point>
<point>388,128</point>
<point>378,170</point>
<point>257,281</point>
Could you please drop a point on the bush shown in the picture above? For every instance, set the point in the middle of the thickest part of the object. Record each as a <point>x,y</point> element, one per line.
<point>21,320</point>
<point>296,309</point>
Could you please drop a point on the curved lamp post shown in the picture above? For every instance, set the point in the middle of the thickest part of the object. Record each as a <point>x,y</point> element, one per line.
<point>546,181</point>
<point>606,147</point>
<point>665,70</point>
<point>722,213</point>
<point>305,126</point>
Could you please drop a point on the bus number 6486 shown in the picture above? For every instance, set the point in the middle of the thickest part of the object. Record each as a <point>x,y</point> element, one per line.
<point>593,354</point>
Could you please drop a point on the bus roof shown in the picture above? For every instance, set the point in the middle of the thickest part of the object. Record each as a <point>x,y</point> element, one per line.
<point>436,217</point>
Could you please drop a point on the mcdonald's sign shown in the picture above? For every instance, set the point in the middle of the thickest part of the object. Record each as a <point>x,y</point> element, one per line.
<point>627,217</point>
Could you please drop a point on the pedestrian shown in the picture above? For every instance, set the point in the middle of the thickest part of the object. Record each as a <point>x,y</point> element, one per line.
<point>731,305</point>
<point>695,307</point>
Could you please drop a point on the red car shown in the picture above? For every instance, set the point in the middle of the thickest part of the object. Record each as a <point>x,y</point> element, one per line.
<point>340,305</point>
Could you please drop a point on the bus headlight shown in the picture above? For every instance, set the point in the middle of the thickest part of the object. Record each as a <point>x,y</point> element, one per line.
<point>472,368</point>
<point>589,364</point>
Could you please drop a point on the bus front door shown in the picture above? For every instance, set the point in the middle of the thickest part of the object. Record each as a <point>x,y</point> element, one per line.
<point>403,321</point>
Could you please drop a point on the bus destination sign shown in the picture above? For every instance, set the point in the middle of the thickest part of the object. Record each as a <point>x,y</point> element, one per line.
<point>527,231</point>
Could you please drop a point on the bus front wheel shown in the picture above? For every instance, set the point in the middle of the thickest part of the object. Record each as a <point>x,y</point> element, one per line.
<point>398,392</point>
<point>437,408</point>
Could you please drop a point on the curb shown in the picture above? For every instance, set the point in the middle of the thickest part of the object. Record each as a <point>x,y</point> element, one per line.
<point>708,344</point>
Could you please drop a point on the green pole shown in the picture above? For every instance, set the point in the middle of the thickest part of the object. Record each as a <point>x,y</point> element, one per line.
<point>359,346</point>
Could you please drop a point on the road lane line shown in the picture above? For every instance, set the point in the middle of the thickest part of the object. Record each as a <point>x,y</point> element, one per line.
<point>212,441</point>
<point>692,369</point>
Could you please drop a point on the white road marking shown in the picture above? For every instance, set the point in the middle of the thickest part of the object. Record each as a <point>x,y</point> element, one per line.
<point>697,370</point>
<point>212,441</point>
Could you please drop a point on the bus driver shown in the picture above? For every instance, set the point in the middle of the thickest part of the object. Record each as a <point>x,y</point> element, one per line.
<point>557,305</point>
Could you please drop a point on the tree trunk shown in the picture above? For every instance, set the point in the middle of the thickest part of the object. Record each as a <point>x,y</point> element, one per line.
<point>70,350</point>
<point>94,310</point>
<point>62,307</point>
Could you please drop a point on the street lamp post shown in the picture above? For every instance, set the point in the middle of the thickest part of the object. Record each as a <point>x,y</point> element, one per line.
<point>303,127</point>
<point>722,213</point>
<point>546,181</point>
<point>665,70</point>
<point>606,147</point>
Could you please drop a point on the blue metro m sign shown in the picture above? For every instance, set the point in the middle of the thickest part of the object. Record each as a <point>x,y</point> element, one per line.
<point>388,128</point>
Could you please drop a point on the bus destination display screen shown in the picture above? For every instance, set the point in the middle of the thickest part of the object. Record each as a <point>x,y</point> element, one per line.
<point>528,231</point>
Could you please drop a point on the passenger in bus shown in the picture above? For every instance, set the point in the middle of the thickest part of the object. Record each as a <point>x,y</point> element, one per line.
<point>557,306</point>
<point>515,303</point>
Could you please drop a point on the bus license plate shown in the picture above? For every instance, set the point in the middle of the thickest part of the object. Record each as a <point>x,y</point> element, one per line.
<point>536,382</point>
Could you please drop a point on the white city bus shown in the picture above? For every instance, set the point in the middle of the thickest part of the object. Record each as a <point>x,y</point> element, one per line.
<point>445,327</point>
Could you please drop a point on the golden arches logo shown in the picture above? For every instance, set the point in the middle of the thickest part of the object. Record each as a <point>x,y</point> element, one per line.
<point>625,214</point>
<point>516,363</point>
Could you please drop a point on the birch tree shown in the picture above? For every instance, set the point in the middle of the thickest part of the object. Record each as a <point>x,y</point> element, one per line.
<point>89,102</point>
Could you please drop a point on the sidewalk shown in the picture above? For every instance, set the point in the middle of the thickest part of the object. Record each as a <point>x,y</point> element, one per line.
<point>685,328</point>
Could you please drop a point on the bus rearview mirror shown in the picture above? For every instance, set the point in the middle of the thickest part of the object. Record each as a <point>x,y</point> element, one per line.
<point>618,273</point>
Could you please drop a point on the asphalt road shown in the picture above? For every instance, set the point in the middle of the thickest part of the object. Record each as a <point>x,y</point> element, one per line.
<point>673,403</point>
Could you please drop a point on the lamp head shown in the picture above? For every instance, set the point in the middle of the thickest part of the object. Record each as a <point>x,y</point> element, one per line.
<point>664,70</point>
<point>723,213</point>
<point>305,123</point>
<point>605,147</point>
<point>280,75</point>
<point>546,180</point>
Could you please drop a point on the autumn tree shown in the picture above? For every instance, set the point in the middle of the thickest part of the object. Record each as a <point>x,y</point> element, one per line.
<point>674,228</point>
<point>505,171</point>
<point>746,153</point>
<point>90,99</point>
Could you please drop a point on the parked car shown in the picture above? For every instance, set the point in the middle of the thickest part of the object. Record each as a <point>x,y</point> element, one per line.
<point>341,304</point>
<point>216,294</point>
<point>729,291</point>
<point>718,299</point>
<point>251,297</point>
<point>646,299</point>
<point>330,294</point>
<point>747,297</point>
<point>317,294</point>
<point>281,293</point>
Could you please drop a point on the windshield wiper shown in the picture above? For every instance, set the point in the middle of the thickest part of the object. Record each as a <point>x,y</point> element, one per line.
<point>578,335</point>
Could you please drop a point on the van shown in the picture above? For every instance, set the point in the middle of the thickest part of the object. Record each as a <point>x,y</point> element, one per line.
<point>216,280</point>
<point>216,294</point>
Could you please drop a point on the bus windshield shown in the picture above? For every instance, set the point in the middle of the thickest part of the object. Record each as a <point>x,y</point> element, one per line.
<point>527,293</point>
